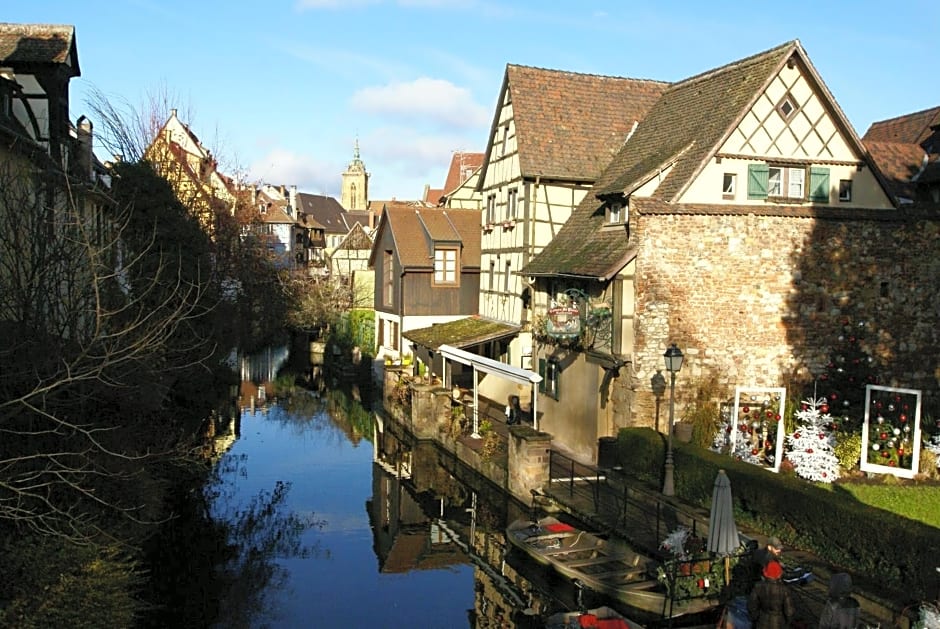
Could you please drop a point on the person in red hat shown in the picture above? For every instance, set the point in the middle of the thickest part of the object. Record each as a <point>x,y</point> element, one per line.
<point>770,603</point>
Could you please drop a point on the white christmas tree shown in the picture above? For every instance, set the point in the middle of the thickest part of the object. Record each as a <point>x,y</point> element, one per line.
<point>810,446</point>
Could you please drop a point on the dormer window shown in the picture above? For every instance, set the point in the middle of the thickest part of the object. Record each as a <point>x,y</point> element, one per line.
<point>615,213</point>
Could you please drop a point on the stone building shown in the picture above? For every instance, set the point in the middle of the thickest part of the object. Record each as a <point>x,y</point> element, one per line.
<point>744,221</point>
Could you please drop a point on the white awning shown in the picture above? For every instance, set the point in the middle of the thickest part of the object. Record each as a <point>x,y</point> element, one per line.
<point>498,369</point>
<point>488,365</point>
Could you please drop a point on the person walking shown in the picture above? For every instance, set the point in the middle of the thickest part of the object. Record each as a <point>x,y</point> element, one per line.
<point>770,604</point>
<point>841,611</point>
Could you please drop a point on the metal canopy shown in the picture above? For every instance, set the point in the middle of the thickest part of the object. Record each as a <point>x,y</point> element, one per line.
<point>501,370</point>
<point>488,365</point>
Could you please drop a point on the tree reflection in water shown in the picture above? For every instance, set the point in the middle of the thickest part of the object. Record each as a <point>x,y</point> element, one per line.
<point>257,535</point>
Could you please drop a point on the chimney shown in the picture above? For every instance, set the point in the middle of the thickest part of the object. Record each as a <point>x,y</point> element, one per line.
<point>85,156</point>
<point>293,202</point>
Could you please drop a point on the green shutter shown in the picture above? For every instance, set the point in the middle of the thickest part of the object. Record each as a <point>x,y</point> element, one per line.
<point>757,178</point>
<point>819,184</point>
<point>557,381</point>
<point>542,373</point>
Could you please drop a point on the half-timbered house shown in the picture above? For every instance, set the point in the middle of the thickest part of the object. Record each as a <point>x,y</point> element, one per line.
<point>745,222</point>
<point>552,134</point>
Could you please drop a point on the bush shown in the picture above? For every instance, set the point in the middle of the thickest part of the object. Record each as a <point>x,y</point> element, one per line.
<point>898,553</point>
<point>848,449</point>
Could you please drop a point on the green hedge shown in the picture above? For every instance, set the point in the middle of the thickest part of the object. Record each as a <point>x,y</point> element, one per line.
<point>897,553</point>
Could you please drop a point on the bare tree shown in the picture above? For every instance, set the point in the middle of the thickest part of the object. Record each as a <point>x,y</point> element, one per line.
<point>98,313</point>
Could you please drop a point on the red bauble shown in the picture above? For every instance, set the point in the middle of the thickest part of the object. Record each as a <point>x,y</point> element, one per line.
<point>755,451</point>
<point>903,418</point>
<point>833,396</point>
<point>824,408</point>
<point>883,436</point>
<point>746,410</point>
<point>796,435</point>
<point>777,417</point>
<point>809,450</point>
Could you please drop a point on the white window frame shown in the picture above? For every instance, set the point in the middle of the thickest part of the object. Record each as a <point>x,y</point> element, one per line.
<point>511,202</point>
<point>445,266</point>
<point>729,185</point>
<point>788,179</point>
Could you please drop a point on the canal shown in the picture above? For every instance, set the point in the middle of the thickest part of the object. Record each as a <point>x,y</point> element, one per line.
<point>343,521</point>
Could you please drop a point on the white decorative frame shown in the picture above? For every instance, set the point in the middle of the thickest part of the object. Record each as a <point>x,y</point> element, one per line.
<point>914,395</point>
<point>748,393</point>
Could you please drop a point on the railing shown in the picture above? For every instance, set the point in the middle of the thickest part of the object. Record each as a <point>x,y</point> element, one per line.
<point>576,479</point>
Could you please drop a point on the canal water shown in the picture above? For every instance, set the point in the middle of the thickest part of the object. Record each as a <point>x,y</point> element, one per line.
<point>343,521</point>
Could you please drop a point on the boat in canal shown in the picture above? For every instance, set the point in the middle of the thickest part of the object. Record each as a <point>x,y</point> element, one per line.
<point>602,565</point>
<point>603,617</point>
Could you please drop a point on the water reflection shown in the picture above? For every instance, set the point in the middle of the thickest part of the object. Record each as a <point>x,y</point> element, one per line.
<point>427,549</point>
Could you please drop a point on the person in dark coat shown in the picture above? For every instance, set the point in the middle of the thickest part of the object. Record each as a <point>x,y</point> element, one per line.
<point>770,604</point>
<point>841,611</point>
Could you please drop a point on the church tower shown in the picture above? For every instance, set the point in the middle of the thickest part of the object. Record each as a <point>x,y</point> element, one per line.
<point>355,194</point>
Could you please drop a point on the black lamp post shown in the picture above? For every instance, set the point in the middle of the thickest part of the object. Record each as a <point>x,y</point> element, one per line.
<point>673,357</point>
<point>658,382</point>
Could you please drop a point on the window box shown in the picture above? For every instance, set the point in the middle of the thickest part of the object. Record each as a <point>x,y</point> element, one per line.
<point>509,224</point>
<point>487,228</point>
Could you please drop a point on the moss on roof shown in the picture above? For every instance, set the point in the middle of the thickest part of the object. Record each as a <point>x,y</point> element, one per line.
<point>460,333</point>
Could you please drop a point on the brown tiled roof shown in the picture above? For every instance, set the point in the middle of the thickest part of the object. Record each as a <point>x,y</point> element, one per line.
<point>898,163</point>
<point>691,117</point>
<point>461,333</point>
<point>415,232</point>
<point>462,165</point>
<point>683,129</point>
<point>38,44</point>
<point>433,196</point>
<point>908,129</point>
<point>569,125</point>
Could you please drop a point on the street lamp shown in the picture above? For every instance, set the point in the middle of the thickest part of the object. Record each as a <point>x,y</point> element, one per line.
<point>658,382</point>
<point>673,357</point>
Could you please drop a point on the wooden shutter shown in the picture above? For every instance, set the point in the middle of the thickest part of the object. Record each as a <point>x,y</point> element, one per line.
<point>757,178</point>
<point>819,184</point>
<point>542,373</point>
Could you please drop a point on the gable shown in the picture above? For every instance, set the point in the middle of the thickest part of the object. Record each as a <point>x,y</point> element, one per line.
<point>791,119</point>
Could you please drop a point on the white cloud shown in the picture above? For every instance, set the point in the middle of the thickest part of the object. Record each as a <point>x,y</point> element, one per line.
<point>309,174</point>
<point>425,100</point>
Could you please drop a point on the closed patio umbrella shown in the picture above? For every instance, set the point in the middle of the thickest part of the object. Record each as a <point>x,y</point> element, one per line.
<point>722,531</point>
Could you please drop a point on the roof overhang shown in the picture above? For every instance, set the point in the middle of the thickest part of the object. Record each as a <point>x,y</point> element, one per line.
<point>461,333</point>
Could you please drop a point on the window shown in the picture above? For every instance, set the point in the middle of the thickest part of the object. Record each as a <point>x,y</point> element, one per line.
<point>787,106</point>
<point>511,204</point>
<point>390,334</point>
<point>491,209</point>
<point>388,286</point>
<point>445,266</point>
<point>729,185</point>
<point>845,190</point>
<point>785,182</point>
<point>550,371</point>
<point>615,213</point>
<point>492,276</point>
<point>503,149</point>
<point>507,278</point>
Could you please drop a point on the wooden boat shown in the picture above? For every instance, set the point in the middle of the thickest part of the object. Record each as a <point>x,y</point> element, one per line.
<point>601,617</point>
<point>601,565</point>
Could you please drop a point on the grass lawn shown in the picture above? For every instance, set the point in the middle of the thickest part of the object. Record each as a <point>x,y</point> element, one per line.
<point>916,502</point>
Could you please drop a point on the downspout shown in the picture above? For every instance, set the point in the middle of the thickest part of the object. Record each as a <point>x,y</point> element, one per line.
<point>530,229</point>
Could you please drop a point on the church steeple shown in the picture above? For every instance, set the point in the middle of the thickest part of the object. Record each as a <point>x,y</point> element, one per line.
<point>355,193</point>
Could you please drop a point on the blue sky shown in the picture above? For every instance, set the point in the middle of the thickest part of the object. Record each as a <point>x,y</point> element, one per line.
<point>282,89</point>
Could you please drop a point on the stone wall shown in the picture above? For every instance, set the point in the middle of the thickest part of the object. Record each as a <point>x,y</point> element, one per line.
<point>761,300</point>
